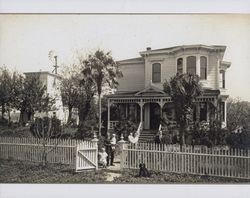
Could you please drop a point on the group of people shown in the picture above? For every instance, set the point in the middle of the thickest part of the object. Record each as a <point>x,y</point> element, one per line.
<point>107,154</point>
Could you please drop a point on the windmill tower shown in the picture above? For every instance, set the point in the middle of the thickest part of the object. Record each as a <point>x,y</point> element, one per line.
<point>53,57</point>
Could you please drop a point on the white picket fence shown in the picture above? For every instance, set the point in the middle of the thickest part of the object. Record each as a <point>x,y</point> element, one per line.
<point>198,160</point>
<point>30,149</point>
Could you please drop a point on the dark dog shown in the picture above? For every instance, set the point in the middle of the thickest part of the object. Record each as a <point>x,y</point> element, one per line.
<point>143,172</point>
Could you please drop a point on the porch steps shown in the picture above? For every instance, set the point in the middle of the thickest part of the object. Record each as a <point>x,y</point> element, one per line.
<point>147,135</point>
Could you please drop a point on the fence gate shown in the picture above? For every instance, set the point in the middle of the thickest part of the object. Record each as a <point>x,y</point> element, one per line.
<point>86,156</point>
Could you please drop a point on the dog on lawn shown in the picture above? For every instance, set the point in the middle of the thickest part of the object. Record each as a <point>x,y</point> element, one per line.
<point>143,171</point>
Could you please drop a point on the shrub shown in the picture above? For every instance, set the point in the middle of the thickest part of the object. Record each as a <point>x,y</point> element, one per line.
<point>46,127</point>
<point>239,140</point>
<point>208,134</point>
<point>125,128</point>
<point>86,130</point>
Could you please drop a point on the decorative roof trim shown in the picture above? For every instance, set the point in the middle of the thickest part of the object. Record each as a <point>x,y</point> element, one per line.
<point>224,64</point>
<point>173,50</point>
<point>150,87</point>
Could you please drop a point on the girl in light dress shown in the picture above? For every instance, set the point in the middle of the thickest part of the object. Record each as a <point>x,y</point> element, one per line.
<point>103,158</point>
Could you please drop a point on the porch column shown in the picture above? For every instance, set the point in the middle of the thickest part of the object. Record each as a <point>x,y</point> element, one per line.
<point>198,111</point>
<point>141,111</point>
<point>126,110</point>
<point>161,107</point>
<point>225,113</point>
<point>208,112</point>
<point>108,114</point>
<point>198,69</point>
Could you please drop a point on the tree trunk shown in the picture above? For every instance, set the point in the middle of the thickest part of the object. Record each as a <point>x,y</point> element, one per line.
<point>23,118</point>
<point>9,117</point>
<point>182,135</point>
<point>44,155</point>
<point>70,115</point>
<point>100,114</point>
<point>84,111</point>
<point>3,111</point>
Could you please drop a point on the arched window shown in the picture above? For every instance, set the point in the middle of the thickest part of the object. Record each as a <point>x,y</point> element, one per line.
<point>180,65</point>
<point>156,73</point>
<point>191,65</point>
<point>203,63</point>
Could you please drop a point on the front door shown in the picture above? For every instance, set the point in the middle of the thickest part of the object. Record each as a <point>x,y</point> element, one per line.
<point>155,114</point>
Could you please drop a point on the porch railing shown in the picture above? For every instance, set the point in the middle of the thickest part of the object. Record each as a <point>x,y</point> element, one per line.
<point>136,137</point>
<point>139,129</point>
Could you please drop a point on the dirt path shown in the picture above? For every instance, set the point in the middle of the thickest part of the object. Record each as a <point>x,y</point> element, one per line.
<point>113,171</point>
<point>111,176</point>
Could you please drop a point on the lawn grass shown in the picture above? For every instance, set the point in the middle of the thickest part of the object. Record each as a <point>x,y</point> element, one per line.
<point>131,177</point>
<point>12,171</point>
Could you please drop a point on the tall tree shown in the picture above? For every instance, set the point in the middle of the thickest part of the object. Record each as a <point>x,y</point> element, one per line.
<point>5,89</point>
<point>101,70</point>
<point>77,92</point>
<point>70,89</point>
<point>33,98</point>
<point>10,89</point>
<point>183,89</point>
<point>238,114</point>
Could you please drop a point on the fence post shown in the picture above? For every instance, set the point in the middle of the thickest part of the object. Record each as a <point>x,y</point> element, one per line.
<point>95,141</point>
<point>122,143</point>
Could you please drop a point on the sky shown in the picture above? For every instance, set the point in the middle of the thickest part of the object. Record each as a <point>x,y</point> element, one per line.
<point>25,40</point>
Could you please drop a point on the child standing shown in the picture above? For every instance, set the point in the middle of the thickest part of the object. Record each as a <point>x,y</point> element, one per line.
<point>103,158</point>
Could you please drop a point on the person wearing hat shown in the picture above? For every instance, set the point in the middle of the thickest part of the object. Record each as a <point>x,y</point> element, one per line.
<point>108,148</point>
<point>113,144</point>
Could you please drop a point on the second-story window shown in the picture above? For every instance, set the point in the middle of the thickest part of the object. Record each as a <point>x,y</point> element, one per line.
<point>180,65</point>
<point>222,79</point>
<point>156,73</point>
<point>191,65</point>
<point>203,64</point>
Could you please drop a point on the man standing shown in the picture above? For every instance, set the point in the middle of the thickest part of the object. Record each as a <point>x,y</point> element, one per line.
<point>108,147</point>
<point>113,144</point>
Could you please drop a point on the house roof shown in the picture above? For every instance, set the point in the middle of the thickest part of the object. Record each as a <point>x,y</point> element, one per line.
<point>131,61</point>
<point>183,47</point>
<point>43,72</point>
<point>174,49</point>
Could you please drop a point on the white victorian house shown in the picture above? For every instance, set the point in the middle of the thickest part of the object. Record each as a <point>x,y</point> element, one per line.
<point>140,96</point>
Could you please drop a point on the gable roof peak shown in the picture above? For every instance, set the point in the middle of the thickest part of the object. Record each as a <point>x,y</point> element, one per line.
<point>150,89</point>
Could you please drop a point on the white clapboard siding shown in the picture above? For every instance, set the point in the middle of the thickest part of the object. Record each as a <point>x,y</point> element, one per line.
<point>30,149</point>
<point>198,160</point>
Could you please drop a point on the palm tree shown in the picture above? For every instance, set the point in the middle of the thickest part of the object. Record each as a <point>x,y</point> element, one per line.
<point>102,70</point>
<point>183,89</point>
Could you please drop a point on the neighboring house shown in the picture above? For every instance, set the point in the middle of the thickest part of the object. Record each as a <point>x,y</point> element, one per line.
<point>140,96</point>
<point>52,82</point>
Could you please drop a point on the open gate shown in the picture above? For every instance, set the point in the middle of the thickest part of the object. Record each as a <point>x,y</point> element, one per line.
<point>86,156</point>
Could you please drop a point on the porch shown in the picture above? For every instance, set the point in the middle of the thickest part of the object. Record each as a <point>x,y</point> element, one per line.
<point>151,107</point>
